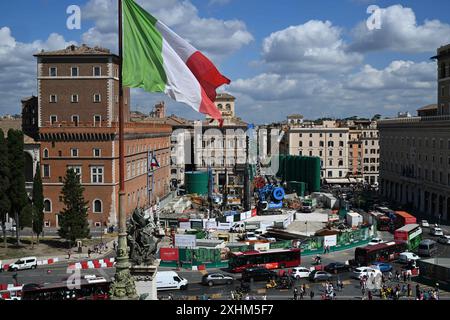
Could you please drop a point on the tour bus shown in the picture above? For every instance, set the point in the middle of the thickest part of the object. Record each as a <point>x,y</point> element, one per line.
<point>411,233</point>
<point>403,218</point>
<point>271,259</point>
<point>382,221</point>
<point>89,288</point>
<point>383,252</point>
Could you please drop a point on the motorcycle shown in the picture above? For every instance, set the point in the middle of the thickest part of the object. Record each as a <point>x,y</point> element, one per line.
<point>317,261</point>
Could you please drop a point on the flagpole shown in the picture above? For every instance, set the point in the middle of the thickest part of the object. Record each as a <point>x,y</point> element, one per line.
<point>123,286</point>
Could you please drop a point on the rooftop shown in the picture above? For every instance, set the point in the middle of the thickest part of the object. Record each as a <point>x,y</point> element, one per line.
<point>73,50</point>
<point>428,107</point>
<point>223,95</point>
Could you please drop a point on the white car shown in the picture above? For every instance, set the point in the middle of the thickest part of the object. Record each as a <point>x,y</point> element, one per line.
<point>360,272</point>
<point>251,236</point>
<point>436,231</point>
<point>425,224</point>
<point>375,241</point>
<point>444,239</point>
<point>23,264</point>
<point>300,273</point>
<point>406,257</point>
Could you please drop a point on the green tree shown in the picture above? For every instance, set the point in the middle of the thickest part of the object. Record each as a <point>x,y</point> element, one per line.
<point>73,219</point>
<point>4,184</point>
<point>16,192</point>
<point>376,117</point>
<point>38,204</point>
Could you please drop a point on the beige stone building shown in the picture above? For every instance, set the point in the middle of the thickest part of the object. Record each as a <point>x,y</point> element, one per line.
<point>415,152</point>
<point>364,151</point>
<point>329,141</point>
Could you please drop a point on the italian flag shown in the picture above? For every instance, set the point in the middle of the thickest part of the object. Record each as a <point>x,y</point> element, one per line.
<point>158,60</point>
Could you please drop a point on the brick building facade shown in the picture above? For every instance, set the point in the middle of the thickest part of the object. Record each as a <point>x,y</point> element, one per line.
<point>78,113</point>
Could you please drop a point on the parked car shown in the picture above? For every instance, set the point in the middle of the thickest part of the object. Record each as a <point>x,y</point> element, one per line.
<point>360,272</point>
<point>24,264</point>
<point>444,239</point>
<point>337,267</point>
<point>250,236</point>
<point>320,276</point>
<point>216,279</point>
<point>300,273</point>
<point>258,274</point>
<point>425,224</point>
<point>382,266</point>
<point>406,257</point>
<point>170,280</point>
<point>375,241</point>
<point>436,231</point>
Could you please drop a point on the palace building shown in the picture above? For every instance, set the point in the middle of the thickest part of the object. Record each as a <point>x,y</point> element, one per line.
<point>77,127</point>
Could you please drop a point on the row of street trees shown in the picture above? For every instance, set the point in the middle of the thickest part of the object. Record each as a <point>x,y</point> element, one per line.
<point>27,212</point>
<point>14,200</point>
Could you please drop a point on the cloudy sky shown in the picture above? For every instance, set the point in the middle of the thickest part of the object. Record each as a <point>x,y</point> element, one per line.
<point>317,58</point>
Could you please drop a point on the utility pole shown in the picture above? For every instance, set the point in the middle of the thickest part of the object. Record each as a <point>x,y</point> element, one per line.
<point>123,287</point>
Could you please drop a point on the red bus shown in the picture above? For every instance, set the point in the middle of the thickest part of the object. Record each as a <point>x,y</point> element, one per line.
<point>272,259</point>
<point>383,252</point>
<point>403,218</point>
<point>95,289</point>
<point>383,222</point>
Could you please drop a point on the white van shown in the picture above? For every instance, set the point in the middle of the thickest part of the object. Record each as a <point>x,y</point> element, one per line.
<point>406,257</point>
<point>23,264</point>
<point>170,280</point>
<point>427,248</point>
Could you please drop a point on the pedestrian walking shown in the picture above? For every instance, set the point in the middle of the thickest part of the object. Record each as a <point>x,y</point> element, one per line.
<point>370,295</point>
<point>405,277</point>
<point>390,276</point>
<point>295,293</point>
<point>301,293</point>
<point>409,290</point>
<point>69,253</point>
<point>89,252</point>
<point>114,245</point>
<point>311,294</point>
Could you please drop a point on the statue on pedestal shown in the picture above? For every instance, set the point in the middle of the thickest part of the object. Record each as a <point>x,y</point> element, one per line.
<point>143,240</point>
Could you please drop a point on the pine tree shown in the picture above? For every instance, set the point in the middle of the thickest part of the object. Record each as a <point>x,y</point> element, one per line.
<point>73,219</point>
<point>16,192</point>
<point>4,184</point>
<point>38,204</point>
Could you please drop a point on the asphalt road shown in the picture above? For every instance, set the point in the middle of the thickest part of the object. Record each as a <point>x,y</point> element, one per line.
<point>59,273</point>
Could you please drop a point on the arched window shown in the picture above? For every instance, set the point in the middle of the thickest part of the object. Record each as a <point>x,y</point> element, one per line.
<point>98,206</point>
<point>47,205</point>
<point>228,106</point>
<point>46,153</point>
<point>220,106</point>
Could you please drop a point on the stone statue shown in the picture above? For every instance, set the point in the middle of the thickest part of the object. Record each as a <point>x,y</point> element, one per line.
<point>142,238</point>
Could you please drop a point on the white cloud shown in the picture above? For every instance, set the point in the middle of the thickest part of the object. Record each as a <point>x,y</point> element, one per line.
<point>217,38</point>
<point>401,32</point>
<point>218,2</point>
<point>401,86</point>
<point>18,67</point>
<point>398,75</point>
<point>315,47</point>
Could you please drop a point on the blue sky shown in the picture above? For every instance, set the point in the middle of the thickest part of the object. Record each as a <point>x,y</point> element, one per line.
<point>284,56</point>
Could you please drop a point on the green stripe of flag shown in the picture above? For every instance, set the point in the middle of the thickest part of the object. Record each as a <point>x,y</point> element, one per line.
<point>142,50</point>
